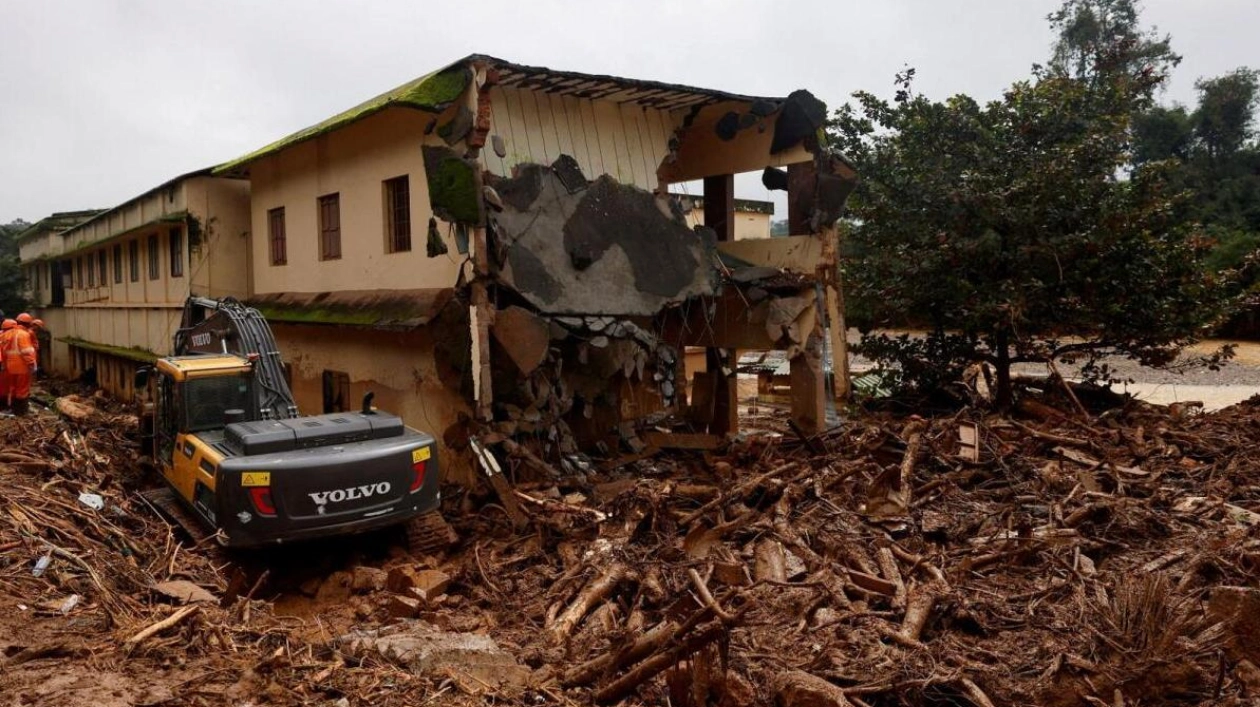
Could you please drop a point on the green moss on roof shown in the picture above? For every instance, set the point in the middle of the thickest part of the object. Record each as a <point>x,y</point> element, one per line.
<point>181,217</point>
<point>127,352</point>
<point>453,191</point>
<point>57,222</point>
<point>388,309</point>
<point>319,315</point>
<point>432,93</point>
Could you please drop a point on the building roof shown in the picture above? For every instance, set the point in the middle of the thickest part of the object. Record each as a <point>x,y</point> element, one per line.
<point>754,206</point>
<point>377,309</point>
<point>205,171</point>
<point>58,222</point>
<point>436,91</point>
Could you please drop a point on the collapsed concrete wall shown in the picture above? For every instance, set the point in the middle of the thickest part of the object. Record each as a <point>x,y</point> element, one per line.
<point>570,246</point>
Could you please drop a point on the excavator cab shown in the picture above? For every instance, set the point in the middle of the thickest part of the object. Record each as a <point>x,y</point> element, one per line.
<point>228,440</point>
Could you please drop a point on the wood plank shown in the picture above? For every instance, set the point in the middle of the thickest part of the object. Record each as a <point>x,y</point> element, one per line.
<point>680,440</point>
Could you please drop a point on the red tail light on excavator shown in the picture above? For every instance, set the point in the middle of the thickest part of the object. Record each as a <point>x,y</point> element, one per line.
<point>260,496</point>
<point>419,465</point>
<point>418,468</point>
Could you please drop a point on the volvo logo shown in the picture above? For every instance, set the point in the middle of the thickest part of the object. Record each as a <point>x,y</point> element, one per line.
<point>354,493</point>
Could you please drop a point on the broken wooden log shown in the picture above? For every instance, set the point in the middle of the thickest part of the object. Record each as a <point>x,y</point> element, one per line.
<point>888,567</point>
<point>769,561</point>
<point>531,459</point>
<point>498,482</point>
<point>595,592</point>
<point>736,492</point>
<point>811,442</point>
<point>608,663</point>
<point>703,590</point>
<point>914,441</point>
<point>974,693</point>
<point>796,688</point>
<point>558,507</point>
<point>918,609</point>
<point>658,663</point>
<point>681,440</point>
<point>162,625</point>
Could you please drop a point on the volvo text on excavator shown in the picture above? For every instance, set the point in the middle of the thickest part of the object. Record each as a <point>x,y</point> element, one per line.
<point>238,458</point>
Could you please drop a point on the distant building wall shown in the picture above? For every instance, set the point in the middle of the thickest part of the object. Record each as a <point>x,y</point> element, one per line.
<point>127,272</point>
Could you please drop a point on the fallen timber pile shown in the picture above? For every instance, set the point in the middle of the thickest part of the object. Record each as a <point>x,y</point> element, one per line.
<point>1065,559</point>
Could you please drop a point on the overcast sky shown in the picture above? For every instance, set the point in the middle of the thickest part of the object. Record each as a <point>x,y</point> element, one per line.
<point>104,99</point>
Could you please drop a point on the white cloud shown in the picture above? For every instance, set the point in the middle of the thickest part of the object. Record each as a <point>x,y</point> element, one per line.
<point>104,100</point>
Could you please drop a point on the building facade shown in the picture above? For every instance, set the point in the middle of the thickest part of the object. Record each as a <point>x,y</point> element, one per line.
<point>495,251</point>
<point>111,288</point>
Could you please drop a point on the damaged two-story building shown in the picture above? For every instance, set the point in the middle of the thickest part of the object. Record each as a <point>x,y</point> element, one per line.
<point>496,251</point>
<point>493,249</point>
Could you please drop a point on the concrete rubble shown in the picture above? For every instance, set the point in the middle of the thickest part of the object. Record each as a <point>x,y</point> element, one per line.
<point>428,651</point>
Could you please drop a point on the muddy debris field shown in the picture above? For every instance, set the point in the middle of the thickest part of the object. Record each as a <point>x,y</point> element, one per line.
<point>1056,556</point>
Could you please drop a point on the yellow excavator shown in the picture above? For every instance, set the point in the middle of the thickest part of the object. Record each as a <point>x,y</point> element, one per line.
<point>240,462</point>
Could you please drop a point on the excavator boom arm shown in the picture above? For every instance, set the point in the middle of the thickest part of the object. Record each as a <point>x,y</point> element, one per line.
<point>214,326</point>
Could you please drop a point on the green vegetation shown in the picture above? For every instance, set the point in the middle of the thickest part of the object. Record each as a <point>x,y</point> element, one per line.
<point>1026,229</point>
<point>12,283</point>
<point>453,191</point>
<point>127,352</point>
<point>395,312</point>
<point>1217,161</point>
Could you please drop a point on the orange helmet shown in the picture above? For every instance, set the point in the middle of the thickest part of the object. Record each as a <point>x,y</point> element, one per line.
<point>37,323</point>
<point>8,324</point>
<point>25,318</point>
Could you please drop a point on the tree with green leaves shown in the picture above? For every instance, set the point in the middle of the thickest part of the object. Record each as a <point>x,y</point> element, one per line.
<point>1010,230</point>
<point>1218,161</point>
<point>12,282</point>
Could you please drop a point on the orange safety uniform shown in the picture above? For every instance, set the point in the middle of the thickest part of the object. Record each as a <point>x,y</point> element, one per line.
<point>34,328</point>
<point>19,364</point>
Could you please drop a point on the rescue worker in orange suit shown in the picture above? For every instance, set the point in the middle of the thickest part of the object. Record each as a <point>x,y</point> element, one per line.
<point>27,322</point>
<point>5,327</point>
<point>19,364</point>
<point>38,332</point>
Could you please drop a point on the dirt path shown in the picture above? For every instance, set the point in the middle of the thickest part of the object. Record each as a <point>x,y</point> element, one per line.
<point>1237,380</point>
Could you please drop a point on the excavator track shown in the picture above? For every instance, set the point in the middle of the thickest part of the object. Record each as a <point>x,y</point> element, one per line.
<point>163,500</point>
<point>429,534</point>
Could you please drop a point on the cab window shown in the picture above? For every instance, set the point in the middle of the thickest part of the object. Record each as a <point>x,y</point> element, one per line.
<point>209,398</point>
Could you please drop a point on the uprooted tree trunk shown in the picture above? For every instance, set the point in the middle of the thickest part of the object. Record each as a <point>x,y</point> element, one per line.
<point>594,593</point>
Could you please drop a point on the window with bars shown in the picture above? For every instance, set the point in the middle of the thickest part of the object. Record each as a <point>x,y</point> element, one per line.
<point>78,273</point>
<point>102,266</point>
<point>117,263</point>
<point>155,267</point>
<point>91,273</point>
<point>176,249</point>
<point>330,227</point>
<point>397,215</point>
<point>133,255</point>
<point>275,236</point>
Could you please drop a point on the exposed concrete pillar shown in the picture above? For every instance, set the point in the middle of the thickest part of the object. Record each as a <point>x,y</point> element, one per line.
<point>719,205</point>
<point>809,394</point>
<point>482,312</point>
<point>801,183</point>
<point>828,274</point>
<point>726,394</point>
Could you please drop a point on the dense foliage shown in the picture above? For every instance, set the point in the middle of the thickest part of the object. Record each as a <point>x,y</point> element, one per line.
<point>1218,160</point>
<point>12,283</point>
<point>1025,229</point>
